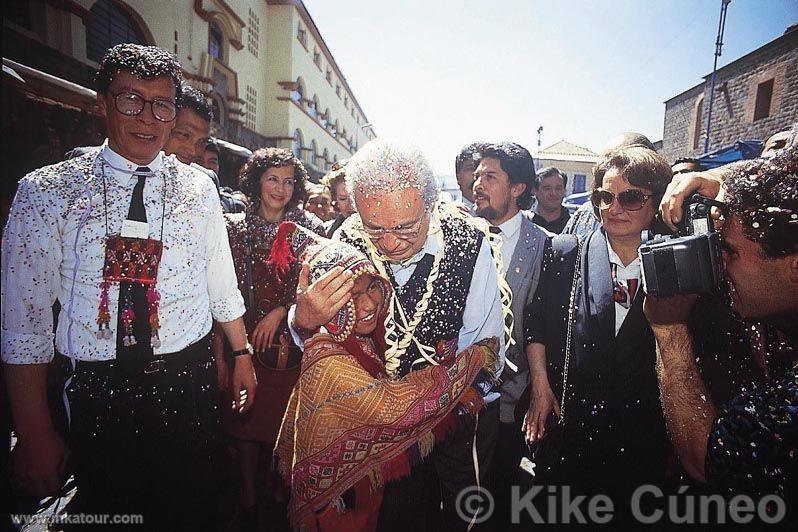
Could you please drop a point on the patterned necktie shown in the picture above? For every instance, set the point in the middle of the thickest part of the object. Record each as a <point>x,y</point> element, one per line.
<point>623,290</point>
<point>135,294</point>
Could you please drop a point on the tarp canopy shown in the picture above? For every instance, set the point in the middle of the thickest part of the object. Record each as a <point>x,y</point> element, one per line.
<point>742,149</point>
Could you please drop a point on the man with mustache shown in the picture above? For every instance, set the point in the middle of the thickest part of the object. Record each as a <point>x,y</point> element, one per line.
<point>503,189</point>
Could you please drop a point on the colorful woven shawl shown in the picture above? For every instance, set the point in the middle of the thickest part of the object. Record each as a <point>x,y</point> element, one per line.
<point>343,426</point>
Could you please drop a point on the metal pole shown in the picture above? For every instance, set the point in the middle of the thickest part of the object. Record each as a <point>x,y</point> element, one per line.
<point>724,4</point>
<point>540,131</point>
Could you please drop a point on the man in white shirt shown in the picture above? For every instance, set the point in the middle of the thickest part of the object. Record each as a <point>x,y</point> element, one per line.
<point>503,190</point>
<point>446,284</point>
<point>142,397</point>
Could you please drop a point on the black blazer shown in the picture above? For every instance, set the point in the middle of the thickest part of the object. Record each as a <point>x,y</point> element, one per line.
<point>612,401</point>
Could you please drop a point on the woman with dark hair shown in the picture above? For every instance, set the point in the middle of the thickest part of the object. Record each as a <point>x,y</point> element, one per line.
<point>591,350</point>
<point>274,181</point>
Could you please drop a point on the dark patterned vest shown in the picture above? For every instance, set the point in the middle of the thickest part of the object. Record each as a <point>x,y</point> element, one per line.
<point>441,323</point>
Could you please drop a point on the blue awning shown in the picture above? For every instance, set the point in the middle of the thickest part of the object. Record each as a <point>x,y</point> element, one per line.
<point>742,149</point>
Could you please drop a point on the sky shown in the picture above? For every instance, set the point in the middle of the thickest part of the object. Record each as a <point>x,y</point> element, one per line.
<point>441,74</point>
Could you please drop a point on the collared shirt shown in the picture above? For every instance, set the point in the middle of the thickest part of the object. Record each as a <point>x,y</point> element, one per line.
<point>631,271</point>
<point>510,231</point>
<point>557,225</point>
<point>482,317</point>
<point>56,234</point>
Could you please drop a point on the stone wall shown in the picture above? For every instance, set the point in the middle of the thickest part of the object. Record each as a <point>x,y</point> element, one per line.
<point>735,99</point>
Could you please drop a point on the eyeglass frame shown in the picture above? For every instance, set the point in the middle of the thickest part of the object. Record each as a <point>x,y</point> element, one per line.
<point>615,197</point>
<point>143,105</point>
<point>409,232</point>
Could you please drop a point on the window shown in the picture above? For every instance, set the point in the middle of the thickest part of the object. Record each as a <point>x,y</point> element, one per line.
<point>297,144</point>
<point>338,89</point>
<point>298,94</point>
<point>253,33</point>
<point>313,153</point>
<point>302,36</point>
<point>764,97</point>
<point>109,25</point>
<point>580,181</point>
<point>326,157</point>
<point>317,58</point>
<point>699,118</point>
<point>313,106</point>
<point>328,76</point>
<point>346,102</point>
<point>252,107</point>
<point>215,42</point>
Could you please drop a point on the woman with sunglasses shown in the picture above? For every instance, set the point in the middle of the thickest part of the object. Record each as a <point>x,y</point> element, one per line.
<point>594,412</point>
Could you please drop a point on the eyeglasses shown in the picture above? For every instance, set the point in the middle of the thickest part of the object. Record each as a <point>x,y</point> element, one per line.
<point>630,199</point>
<point>403,232</point>
<point>131,104</point>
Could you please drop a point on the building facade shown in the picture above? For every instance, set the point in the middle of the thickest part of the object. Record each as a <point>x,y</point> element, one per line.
<point>272,79</point>
<point>755,96</point>
<point>574,161</point>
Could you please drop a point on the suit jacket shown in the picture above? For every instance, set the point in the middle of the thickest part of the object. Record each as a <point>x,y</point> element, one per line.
<point>613,416</point>
<point>522,276</point>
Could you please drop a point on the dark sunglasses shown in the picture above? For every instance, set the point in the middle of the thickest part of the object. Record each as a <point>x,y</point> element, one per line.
<point>630,199</point>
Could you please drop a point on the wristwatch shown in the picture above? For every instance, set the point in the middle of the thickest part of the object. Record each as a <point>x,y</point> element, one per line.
<point>246,351</point>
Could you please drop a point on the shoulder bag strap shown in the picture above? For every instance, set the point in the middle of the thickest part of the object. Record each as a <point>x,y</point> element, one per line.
<point>569,335</point>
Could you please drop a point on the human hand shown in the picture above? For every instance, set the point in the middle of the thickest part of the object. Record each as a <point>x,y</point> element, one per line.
<point>318,303</point>
<point>244,384</point>
<point>668,311</point>
<point>541,405</point>
<point>707,184</point>
<point>263,335</point>
<point>39,463</point>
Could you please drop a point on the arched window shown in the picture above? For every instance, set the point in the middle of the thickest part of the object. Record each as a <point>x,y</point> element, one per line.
<point>219,111</point>
<point>313,106</point>
<point>215,42</point>
<point>110,24</point>
<point>297,145</point>
<point>313,154</point>
<point>298,94</point>
<point>326,157</point>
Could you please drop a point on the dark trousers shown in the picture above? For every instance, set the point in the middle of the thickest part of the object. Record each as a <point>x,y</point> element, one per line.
<point>147,443</point>
<point>504,471</point>
<point>414,503</point>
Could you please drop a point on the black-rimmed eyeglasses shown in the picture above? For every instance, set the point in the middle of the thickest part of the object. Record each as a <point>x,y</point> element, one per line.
<point>131,104</point>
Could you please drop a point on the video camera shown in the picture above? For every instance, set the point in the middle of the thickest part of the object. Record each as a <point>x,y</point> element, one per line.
<point>688,262</point>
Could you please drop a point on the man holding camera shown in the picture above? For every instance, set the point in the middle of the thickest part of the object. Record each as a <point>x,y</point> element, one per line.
<point>747,445</point>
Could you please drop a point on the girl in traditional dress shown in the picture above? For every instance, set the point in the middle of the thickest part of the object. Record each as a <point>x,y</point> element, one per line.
<point>348,428</point>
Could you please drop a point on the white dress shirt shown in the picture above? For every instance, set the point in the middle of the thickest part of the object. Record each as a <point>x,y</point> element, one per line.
<point>56,234</point>
<point>631,271</point>
<point>510,231</point>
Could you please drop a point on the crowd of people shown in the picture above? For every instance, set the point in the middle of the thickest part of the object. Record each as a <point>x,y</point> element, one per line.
<point>359,354</point>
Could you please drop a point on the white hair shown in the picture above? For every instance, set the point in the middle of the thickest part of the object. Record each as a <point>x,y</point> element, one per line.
<point>382,165</point>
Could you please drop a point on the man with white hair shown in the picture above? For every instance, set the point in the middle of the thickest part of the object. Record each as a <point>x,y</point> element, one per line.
<point>446,297</point>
